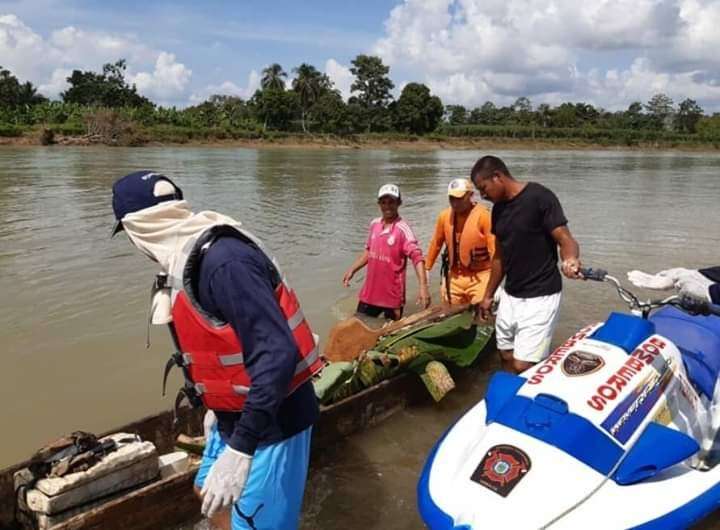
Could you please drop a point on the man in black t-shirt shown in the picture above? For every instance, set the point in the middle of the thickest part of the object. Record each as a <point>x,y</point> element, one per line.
<point>529,225</point>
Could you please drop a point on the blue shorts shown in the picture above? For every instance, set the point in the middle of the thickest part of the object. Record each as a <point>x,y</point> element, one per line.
<point>273,494</point>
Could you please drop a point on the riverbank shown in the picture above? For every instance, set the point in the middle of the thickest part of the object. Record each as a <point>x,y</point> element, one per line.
<point>427,144</point>
<point>203,138</point>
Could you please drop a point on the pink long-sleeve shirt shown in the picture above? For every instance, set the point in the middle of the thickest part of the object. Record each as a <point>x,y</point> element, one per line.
<point>389,248</point>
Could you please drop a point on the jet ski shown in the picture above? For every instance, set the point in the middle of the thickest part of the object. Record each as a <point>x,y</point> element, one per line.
<point>615,429</point>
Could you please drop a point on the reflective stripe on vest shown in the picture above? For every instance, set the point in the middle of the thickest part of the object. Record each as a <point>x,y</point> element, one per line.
<point>239,389</point>
<point>235,359</point>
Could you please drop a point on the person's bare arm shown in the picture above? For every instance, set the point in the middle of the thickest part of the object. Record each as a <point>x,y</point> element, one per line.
<point>358,264</point>
<point>436,243</point>
<point>497,273</point>
<point>569,252</point>
<point>423,298</point>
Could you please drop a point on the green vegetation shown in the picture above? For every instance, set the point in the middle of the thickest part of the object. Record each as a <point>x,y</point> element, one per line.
<point>102,107</point>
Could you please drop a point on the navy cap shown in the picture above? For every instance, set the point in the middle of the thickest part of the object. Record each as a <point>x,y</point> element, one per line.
<point>135,192</point>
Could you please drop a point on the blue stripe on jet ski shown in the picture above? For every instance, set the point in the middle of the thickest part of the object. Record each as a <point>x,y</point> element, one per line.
<point>688,514</point>
<point>544,419</point>
<point>548,419</point>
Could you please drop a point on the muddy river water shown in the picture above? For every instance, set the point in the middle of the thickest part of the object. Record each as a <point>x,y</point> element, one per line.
<point>74,302</point>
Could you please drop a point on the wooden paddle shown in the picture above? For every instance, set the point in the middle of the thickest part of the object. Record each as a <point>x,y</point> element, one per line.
<point>349,338</point>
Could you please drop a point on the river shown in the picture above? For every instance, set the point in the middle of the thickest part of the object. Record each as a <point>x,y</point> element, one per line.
<point>73,317</point>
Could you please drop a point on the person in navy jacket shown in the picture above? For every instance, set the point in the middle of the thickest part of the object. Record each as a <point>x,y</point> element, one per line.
<point>255,458</point>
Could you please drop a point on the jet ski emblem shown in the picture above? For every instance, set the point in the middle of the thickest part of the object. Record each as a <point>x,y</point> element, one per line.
<point>502,468</point>
<point>581,363</point>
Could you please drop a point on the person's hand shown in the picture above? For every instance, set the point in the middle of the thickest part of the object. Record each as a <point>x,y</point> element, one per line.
<point>478,256</point>
<point>694,284</point>
<point>225,481</point>
<point>209,422</point>
<point>571,268</point>
<point>423,297</point>
<point>347,277</point>
<point>484,308</point>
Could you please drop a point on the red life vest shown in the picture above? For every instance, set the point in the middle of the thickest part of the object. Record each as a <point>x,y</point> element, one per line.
<point>212,353</point>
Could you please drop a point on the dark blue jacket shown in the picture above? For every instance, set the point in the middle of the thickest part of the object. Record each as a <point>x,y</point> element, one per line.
<point>236,283</point>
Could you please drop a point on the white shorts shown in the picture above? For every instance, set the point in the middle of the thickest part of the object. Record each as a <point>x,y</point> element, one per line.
<point>526,325</point>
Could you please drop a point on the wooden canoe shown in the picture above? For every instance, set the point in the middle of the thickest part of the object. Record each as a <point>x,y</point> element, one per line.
<point>170,502</point>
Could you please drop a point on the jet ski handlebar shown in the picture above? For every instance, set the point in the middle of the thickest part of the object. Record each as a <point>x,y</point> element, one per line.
<point>597,275</point>
<point>698,307</point>
<point>688,304</point>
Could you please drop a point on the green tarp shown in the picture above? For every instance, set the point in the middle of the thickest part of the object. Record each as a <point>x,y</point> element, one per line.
<point>424,349</point>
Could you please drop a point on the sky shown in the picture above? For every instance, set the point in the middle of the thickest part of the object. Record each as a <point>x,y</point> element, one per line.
<point>605,52</point>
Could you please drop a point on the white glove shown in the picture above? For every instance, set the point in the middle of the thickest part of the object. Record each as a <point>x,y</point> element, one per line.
<point>677,273</point>
<point>225,481</point>
<point>667,279</point>
<point>209,422</point>
<point>695,285</point>
<point>657,281</point>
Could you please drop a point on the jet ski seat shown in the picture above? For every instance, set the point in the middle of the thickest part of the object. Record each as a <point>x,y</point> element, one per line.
<point>624,331</point>
<point>698,338</point>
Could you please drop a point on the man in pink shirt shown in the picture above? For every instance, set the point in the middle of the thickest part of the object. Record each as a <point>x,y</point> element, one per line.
<point>389,244</point>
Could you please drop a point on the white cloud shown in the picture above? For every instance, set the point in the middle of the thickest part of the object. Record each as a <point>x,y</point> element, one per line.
<point>57,83</point>
<point>340,76</point>
<point>228,88</point>
<point>166,83</point>
<point>47,62</point>
<point>469,51</point>
<point>23,51</point>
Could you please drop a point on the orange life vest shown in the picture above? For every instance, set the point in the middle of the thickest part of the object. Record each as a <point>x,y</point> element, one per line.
<point>470,238</point>
<point>211,352</point>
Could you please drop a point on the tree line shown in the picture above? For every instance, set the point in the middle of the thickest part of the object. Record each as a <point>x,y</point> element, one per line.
<point>310,103</point>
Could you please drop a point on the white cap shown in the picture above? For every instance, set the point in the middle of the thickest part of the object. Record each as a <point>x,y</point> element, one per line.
<point>459,187</point>
<point>389,189</point>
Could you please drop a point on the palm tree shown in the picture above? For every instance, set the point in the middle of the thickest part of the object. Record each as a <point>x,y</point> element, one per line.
<point>309,84</point>
<point>273,77</point>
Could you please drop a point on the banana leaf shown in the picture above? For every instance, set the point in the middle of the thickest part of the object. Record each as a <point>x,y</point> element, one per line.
<point>423,349</point>
<point>456,340</point>
<point>331,378</point>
